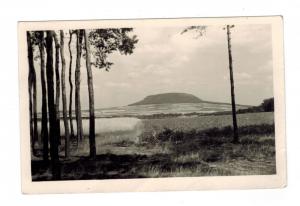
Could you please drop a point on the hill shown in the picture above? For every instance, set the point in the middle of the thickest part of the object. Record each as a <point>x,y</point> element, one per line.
<point>168,98</point>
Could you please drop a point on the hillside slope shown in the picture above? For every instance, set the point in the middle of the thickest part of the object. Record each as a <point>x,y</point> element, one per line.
<point>168,98</point>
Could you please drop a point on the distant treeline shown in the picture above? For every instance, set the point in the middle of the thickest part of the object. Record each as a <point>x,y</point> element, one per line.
<point>266,106</point>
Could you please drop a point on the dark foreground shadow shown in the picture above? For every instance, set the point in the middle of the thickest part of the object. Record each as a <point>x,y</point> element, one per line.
<point>109,166</point>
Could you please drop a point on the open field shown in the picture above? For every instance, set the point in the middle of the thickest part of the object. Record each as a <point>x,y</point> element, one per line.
<point>205,122</point>
<point>171,147</point>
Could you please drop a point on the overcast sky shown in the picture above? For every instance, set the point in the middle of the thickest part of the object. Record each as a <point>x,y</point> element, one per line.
<point>166,61</point>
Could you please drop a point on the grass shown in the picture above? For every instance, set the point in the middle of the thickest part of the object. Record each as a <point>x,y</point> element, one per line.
<point>210,151</point>
<point>206,122</point>
<point>174,147</point>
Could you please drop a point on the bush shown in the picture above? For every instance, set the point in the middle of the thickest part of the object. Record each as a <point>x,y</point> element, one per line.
<point>268,105</point>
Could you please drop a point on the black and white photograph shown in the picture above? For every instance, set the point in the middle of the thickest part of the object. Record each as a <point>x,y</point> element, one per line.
<point>152,100</point>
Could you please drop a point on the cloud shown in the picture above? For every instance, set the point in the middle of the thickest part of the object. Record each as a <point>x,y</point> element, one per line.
<point>118,85</point>
<point>155,48</point>
<point>253,33</point>
<point>166,81</point>
<point>156,69</point>
<point>268,66</point>
<point>133,75</point>
<point>243,76</point>
<point>148,34</point>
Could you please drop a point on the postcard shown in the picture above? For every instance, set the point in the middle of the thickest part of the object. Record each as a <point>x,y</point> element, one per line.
<point>152,104</point>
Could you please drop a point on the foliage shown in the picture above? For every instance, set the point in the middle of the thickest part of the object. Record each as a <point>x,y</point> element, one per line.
<point>35,41</point>
<point>200,30</point>
<point>106,41</point>
<point>268,105</point>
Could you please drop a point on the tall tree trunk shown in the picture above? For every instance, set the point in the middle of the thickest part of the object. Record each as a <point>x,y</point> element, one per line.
<point>91,97</point>
<point>63,92</point>
<point>77,85</point>
<point>71,86</point>
<point>234,120</point>
<point>30,77</point>
<point>44,130</point>
<point>34,106</point>
<point>31,114</point>
<point>57,81</point>
<point>51,108</point>
<point>32,89</point>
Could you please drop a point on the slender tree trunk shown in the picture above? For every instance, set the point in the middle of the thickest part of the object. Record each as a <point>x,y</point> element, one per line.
<point>63,92</point>
<point>34,106</point>
<point>57,81</point>
<point>32,89</point>
<point>71,86</point>
<point>91,97</point>
<point>31,68</point>
<point>31,115</point>
<point>77,86</point>
<point>44,130</point>
<point>51,108</point>
<point>234,120</point>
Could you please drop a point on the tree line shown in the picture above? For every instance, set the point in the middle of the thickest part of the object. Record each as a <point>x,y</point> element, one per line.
<point>47,49</point>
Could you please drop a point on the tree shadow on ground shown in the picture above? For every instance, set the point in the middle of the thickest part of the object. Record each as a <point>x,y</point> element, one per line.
<point>109,166</point>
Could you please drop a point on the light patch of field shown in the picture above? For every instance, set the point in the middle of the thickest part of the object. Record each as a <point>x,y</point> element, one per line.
<point>105,125</point>
<point>122,132</point>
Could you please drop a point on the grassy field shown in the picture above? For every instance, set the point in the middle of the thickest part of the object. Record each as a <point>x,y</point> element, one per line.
<point>205,122</point>
<point>172,147</point>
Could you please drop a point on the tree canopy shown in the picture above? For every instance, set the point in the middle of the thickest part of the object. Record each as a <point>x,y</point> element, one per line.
<point>106,41</point>
<point>200,30</point>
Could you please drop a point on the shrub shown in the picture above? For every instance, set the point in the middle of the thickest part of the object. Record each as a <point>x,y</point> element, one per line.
<point>268,105</point>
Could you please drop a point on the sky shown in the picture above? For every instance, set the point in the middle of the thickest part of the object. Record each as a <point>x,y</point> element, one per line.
<point>165,60</point>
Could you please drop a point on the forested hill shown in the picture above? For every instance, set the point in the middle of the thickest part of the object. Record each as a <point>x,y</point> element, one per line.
<point>168,98</point>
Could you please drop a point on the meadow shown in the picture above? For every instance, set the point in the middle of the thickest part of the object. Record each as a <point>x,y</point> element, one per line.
<point>172,147</point>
